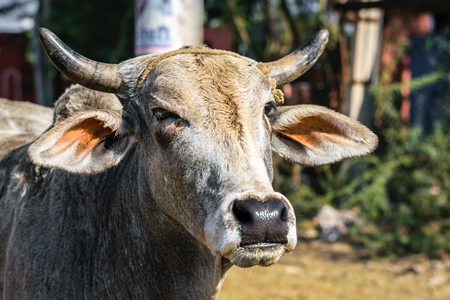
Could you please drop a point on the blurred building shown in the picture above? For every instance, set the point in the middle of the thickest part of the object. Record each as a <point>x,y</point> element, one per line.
<point>16,73</point>
<point>219,37</point>
<point>402,38</point>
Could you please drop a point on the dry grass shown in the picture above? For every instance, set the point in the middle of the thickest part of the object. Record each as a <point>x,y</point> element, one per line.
<point>323,271</point>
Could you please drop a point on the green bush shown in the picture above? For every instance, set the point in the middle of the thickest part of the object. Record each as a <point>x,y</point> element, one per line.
<point>406,197</point>
<point>402,191</point>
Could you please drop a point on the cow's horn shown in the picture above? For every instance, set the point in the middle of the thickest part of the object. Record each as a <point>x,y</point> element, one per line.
<point>292,66</point>
<point>91,74</point>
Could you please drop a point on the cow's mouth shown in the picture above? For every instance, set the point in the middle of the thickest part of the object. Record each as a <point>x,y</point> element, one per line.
<point>259,254</point>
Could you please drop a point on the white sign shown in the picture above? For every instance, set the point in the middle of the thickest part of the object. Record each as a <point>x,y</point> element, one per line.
<point>154,26</point>
<point>164,25</point>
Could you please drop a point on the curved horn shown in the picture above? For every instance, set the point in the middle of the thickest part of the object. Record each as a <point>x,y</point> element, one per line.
<point>292,66</point>
<point>91,74</point>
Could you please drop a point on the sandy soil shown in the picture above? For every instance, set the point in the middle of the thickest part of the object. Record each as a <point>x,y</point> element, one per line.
<point>334,271</point>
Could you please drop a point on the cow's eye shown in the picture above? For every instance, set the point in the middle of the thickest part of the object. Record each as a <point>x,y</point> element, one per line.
<point>269,108</point>
<point>162,114</point>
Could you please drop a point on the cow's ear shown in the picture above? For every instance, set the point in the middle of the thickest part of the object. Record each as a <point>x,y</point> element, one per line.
<point>87,143</point>
<point>312,135</point>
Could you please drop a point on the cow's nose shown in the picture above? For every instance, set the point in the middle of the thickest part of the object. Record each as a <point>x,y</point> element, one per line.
<point>262,221</point>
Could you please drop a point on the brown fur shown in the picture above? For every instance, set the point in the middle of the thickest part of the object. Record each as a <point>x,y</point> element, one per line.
<point>20,123</point>
<point>77,99</point>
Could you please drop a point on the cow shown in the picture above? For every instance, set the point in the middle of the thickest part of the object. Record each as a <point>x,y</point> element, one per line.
<point>20,123</point>
<point>159,197</point>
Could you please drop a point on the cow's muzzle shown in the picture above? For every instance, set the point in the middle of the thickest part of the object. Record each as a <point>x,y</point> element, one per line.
<point>262,224</point>
<point>252,228</point>
<point>265,229</point>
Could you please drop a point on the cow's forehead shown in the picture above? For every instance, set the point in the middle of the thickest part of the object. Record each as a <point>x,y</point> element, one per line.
<point>216,89</point>
<point>211,78</point>
<point>223,95</point>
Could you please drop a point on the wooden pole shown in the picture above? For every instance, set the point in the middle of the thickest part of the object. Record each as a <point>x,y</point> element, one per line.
<point>364,56</point>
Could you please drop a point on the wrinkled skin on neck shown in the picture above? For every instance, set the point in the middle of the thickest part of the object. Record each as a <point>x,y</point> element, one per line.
<point>99,241</point>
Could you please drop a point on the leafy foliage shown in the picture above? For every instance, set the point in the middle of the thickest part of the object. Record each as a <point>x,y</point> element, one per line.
<point>102,30</point>
<point>402,192</point>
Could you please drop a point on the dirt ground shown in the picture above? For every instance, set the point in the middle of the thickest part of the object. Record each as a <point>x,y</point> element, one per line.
<point>333,271</point>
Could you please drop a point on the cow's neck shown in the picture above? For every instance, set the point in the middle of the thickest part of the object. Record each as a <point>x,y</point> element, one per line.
<point>187,269</point>
<point>150,254</point>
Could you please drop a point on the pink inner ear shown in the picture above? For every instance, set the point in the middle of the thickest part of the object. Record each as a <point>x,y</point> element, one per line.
<point>313,131</point>
<point>84,135</point>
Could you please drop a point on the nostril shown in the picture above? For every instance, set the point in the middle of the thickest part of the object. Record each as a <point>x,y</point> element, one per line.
<point>284,214</point>
<point>241,213</point>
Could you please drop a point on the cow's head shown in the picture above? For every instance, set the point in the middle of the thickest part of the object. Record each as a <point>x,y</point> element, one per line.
<point>206,123</point>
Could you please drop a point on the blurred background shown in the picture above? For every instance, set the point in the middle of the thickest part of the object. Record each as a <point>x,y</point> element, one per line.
<point>387,65</point>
